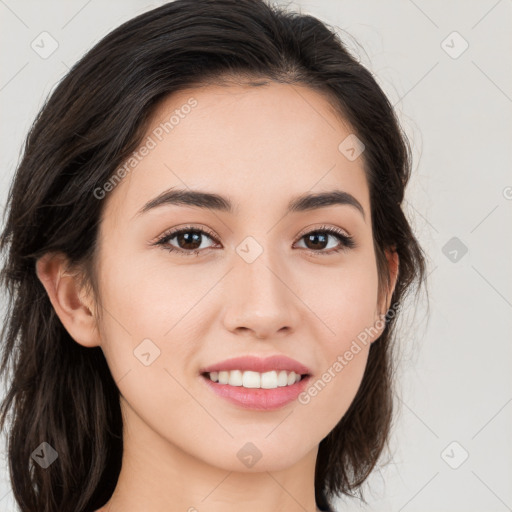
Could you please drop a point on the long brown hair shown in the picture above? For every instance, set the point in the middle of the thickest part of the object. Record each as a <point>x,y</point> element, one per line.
<point>90,124</point>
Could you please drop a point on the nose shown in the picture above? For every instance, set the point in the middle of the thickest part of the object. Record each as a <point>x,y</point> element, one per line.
<point>260,299</point>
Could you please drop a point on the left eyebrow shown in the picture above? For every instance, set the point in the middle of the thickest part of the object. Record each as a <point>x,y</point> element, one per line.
<point>211,201</point>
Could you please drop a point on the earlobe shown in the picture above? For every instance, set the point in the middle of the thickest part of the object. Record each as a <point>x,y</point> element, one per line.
<point>65,295</point>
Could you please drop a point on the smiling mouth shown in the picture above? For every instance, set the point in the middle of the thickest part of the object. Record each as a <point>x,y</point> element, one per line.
<point>255,380</point>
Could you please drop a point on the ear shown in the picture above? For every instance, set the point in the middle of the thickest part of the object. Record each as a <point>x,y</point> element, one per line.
<point>67,299</point>
<point>393,266</point>
<point>383,305</point>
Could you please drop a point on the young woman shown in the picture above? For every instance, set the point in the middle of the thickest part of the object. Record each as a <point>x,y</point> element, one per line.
<point>205,254</point>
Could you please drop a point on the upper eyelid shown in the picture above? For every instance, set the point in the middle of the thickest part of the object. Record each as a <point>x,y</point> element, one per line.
<point>323,227</point>
<point>174,231</point>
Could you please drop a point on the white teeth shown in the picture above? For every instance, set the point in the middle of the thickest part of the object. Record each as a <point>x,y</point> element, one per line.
<point>269,380</point>
<point>249,379</point>
<point>235,378</point>
<point>282,379</point>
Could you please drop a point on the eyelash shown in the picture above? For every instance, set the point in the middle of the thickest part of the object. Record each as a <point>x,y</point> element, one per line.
<point>346,242</point>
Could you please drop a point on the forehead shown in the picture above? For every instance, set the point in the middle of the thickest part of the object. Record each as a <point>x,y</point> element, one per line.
<point>257,144</point>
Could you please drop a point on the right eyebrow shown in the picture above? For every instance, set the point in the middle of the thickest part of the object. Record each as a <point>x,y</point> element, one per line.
<point>307,202</point>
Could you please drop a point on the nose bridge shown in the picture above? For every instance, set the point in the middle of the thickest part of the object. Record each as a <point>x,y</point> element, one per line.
<point>259,290</point>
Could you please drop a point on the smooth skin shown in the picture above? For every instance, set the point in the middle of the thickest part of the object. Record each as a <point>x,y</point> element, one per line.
<point>261,147</point>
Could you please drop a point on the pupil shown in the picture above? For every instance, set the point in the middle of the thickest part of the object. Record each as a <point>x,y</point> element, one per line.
<point>315,237</point>
<point>187,239</point>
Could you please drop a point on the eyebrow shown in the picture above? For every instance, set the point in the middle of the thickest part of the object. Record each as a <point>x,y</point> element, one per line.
<point>211,201</point>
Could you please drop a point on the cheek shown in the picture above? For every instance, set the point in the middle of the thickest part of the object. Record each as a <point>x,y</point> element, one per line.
<point>151,298</point>
<point>144,339</point>
<point>140,309</point>
<point>344,358</point>
<point>155,321</point>
<point>345,300</point>
<point>347,307</point>
<point>331,392</point>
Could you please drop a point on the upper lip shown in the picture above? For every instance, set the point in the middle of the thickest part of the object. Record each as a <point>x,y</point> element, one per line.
<point>258,364</point>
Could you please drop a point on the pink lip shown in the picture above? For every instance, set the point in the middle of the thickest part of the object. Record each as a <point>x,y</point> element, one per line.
<point>257,364</point>
<point>258,398</point>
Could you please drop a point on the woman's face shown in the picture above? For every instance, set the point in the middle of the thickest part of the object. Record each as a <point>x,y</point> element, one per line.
<point>259,285</point>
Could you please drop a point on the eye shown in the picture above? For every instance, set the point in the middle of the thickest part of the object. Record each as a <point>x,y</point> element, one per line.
<point>189,240</point>
<point>316,239</point>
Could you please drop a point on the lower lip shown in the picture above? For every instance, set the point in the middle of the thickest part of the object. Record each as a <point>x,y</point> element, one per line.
<point>258,398</point>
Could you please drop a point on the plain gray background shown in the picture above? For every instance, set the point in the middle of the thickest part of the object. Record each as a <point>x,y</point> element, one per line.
<point>445,65</point>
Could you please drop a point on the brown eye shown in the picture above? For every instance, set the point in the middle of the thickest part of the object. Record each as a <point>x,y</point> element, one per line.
<point>317,241</point>
<point>188,241</point>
